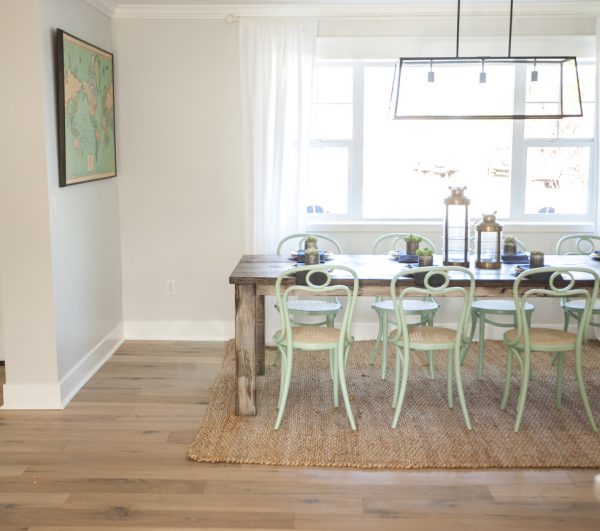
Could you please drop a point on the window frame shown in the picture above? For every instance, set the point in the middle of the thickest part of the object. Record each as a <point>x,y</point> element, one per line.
<point>520,145</point>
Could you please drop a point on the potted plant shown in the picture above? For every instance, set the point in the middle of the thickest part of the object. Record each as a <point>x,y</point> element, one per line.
<point>310,241</point>
<point>425,256</point>
<point>536,258</point>
<point>510,246</point>
<point>412,243</point>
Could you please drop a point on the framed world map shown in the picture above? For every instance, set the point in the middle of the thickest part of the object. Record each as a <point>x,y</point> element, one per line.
<point>86,111</point>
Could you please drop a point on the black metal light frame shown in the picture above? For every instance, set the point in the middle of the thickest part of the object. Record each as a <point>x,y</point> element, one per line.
<point>431,62</point>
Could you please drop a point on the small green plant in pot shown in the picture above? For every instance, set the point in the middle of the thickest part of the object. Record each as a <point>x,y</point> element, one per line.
<point>425,256</point>
<point>510,245</point>
<point>310,242</point>
<point>412,243</point>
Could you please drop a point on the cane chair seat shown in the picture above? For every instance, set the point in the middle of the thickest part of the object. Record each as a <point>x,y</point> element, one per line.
<point>410,337</point>
<point>318,280</point>
<point>384,308</point>
<point>303,335</point>
<point>324,310</point>
<point>544,339</point>
<point>578,244</point>
<point>523,341</point>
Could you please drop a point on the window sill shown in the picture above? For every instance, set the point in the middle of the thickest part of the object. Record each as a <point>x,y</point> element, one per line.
<point>567,227</point>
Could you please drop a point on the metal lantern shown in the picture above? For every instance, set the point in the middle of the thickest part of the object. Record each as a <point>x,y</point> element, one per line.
<point>489,235</point>
<point>456,228</point>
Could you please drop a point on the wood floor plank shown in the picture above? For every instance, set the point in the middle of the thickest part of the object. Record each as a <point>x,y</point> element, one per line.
<point>115,458</point>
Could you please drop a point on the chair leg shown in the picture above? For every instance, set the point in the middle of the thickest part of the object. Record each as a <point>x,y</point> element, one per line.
<point>402,390</point>
<point>450,380</point>
<point>471,335</point>
<point>397,376</point>
<point>582,392</point>
<point>431,361</point>
<point>286,387</point>
<point>560,376</point>
<point>566,319</point>
<point>525,368</point>
<point>507,378</point>
<point>380,318</point>
<point>281,376</point>
<point>430,356</point>
<point>459,388</point>
<point>342,381</point>
<point>337,366</point>
<point>481,344</point>
<point>384,346</point>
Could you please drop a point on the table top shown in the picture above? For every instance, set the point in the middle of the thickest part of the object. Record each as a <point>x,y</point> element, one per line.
<point>378,270</point>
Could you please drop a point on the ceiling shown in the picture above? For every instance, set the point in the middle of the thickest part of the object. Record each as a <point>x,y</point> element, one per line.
<point>221,8</point>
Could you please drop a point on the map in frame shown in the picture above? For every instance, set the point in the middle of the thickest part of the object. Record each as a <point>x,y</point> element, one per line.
<point>86,111</point>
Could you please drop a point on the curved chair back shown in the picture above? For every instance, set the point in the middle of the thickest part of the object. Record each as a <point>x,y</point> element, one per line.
<point>332,243</point>
<point>578,244</point>
<point>317,280</point>
<point>393,240</point>
<point>556,282</point>
<point>434,281</point>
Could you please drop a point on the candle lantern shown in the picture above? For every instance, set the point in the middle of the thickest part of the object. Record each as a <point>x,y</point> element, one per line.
<point>489,235</point>
<point>456,228</point>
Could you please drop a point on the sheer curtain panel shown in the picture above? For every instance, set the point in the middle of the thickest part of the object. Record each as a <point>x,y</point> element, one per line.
<point>276,58</point>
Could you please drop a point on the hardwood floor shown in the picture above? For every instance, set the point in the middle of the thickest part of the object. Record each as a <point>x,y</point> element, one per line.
<point>116,458</point>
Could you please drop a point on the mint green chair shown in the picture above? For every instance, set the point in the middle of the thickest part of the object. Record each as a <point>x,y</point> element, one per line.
<point>301,308</point>
<point>524,340</point>
<point>578,244</point>
<point>384,307</point>
<point>320,280</point>
<point>420,337</point>
<point>482,309</point>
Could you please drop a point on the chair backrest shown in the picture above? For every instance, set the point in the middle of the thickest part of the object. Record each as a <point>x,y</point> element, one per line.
<point>578,244</point>
<point>434,281</point>
<point>317,280</point>
<point>394,240</point>
<point>324,242</point>
<point>557,282</point>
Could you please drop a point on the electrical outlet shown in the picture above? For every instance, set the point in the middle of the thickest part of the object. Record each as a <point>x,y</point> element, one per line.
<point>170,286</point>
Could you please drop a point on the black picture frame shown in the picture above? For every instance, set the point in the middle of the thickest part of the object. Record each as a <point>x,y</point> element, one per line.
<point>86,111</point>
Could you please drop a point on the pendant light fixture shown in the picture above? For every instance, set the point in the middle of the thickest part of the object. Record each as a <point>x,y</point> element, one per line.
<point>482,87</point>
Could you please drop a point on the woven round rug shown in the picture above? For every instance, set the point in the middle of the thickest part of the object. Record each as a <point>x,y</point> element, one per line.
<point>429,435</point>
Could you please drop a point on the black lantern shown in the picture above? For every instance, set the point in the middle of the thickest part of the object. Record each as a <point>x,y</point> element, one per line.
<point>456,228</point>
<point>488,243</point>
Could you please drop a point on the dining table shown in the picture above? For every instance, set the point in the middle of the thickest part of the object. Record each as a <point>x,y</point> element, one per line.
<point>255,275</point>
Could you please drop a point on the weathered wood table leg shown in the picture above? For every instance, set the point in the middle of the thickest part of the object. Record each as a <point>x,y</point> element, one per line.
<point>259,343</point>
<point>245,348</point>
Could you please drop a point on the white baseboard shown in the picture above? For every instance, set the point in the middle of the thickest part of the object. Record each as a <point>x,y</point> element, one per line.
<point>58,395</point>
<point>31,396</point>
<point>79,375</point>
<point>179,330</point>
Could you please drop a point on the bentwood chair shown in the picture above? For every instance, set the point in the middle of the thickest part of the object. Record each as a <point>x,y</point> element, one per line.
<point>324,310</point>
<point>578,244</point>
<point>482,309</point>
<point>524,340</point>
<point>319,280</point>
<point>420,337</point>
<point>424,308</point>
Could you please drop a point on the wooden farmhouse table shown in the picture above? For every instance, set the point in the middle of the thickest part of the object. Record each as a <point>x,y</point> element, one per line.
<point>255,276</point>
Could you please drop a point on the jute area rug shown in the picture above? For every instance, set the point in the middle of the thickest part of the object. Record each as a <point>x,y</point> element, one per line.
<point>429,435</point>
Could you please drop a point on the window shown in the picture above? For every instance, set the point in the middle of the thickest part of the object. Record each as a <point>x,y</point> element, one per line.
<point>365,166</point>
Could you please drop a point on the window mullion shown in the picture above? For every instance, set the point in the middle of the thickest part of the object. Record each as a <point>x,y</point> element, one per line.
<point>355,177</point>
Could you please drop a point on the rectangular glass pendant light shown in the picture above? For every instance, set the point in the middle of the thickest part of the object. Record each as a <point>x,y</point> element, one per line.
<point>438,88</point>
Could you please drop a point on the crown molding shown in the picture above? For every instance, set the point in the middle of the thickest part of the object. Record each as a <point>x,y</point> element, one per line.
<point>108,7</point>
<point>415,9</point>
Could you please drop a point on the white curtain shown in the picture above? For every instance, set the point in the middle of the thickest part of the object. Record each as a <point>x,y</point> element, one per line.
<point>277,57</point>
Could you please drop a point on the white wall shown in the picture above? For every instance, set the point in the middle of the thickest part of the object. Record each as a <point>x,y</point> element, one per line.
<point>181,169</point>
<point>61,267</point>
<point>180,182</point>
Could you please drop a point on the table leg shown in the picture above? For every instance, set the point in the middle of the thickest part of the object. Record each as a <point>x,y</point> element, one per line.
<point>245,348</point>
<point>260,335</point>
